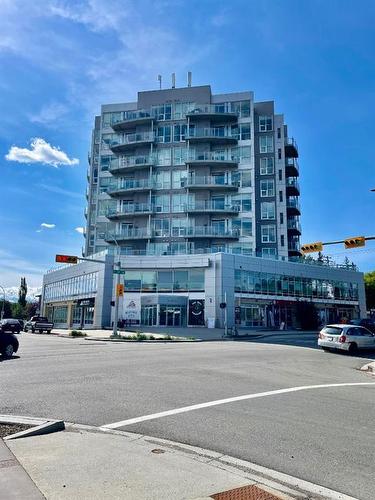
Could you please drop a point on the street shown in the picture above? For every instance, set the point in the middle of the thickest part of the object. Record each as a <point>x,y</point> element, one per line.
<point>324,435</point>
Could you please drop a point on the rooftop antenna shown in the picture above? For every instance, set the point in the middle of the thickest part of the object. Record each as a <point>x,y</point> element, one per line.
<point>159,79</point>
<point>189,78</point>
<point>173,80</point>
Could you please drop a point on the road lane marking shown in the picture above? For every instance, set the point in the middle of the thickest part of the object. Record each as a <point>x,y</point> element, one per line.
<point>234,399</point>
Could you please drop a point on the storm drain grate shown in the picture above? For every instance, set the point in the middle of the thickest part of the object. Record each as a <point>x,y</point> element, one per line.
<point>251,492</point>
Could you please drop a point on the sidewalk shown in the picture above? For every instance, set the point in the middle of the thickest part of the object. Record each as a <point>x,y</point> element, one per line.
<point>197,333</point>
<point>15,483</point>
<point>82,463</point>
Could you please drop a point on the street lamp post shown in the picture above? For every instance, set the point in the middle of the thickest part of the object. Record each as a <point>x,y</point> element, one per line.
<point>115,319</point>
<point>3,306</point>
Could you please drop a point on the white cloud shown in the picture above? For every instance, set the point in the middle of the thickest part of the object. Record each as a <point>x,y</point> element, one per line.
<point>49,113</point>
<point>80,230</point>
<point>40,152</point>
<point>47,226</point>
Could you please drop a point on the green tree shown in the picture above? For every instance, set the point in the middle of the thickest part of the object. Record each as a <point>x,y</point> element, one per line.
<point>22,293</point>
<point>370,289</point>
<point>7,308</point>
<point>18,311</point>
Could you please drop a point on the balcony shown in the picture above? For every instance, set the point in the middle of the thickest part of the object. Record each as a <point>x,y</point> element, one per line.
<point>293,248</point>
<point>291,167</point>
<point>212,232</point>
<point>131,234</point>
<point>131,119</point>
<point>213,112</point>
<point>291,149</point>
<point>211,158</point>
<point>131,141</point>
<point>137,209</point>
<point>211,183</point>
<point>210,206</point>
<point>294,227</point>
<point>131,163</point>
<point>292,187</point>
<point>131,186</point>
<point>292,206</point>
<point>215,135</point>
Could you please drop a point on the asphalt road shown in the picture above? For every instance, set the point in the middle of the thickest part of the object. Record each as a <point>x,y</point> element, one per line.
<point>323,435</point>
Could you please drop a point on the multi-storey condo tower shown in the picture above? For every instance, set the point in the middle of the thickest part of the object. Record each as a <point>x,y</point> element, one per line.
<point>185,171</point>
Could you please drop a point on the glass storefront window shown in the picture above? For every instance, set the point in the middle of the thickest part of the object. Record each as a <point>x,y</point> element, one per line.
<point>165,281</point>
<point>180,282</point>
<point>149,281</point>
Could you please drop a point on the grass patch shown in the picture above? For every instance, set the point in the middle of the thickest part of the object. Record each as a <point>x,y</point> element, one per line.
<point>77,333</point>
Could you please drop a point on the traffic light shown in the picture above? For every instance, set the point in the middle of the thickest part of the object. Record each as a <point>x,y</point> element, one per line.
<point>120,290</point>
<point>67,259</point>
<point>312,247</point>
<point>356,241</point>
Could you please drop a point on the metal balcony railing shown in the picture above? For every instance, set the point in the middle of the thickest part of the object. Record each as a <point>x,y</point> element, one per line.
<point>131,185</point>
<point>211,180</point>
<point>211,133</point>
<point>213,156</point>
<point>211,206</point>
<point>136,208</point>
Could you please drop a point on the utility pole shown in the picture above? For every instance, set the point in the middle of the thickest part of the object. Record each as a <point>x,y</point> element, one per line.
<point>115,321</point>
<point>225,315</point>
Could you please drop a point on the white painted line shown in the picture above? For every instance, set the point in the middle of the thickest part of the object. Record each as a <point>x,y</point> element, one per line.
<point>218,402</point>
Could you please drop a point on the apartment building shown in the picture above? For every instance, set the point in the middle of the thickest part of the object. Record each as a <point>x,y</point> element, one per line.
<point>185,171</point>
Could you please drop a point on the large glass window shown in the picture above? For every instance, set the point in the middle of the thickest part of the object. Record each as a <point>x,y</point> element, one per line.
<point>162,179</point>
<point>266,144</point>
<point>179,178</point>
<point>244,131</point>
<point>179,133</point>
<point>265,123</point>
<point>133,280</point>
<point>161,203</point>
<point>268,234</point>
<point>164,156</point>
<point>165,281</point>
<point>163,134</point>
<point>162,112</point>
<point>161,227</point>
<point>267,188</point>
<point>268,210</point>
<point>179,155</point>
<point>196,279</point>
<point>149,281</point>
<point>267,166</point>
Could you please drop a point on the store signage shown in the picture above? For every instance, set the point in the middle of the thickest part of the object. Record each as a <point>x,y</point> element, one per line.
<point>86,302</point>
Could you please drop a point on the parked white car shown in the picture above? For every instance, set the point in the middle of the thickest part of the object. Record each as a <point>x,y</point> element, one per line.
<point>346,338</point>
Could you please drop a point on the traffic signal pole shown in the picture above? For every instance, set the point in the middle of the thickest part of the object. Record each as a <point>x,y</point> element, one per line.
<point>115,321</point>
<point>353,242</point>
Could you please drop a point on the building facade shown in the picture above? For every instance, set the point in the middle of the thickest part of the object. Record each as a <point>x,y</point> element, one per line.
<point>187,290</point>
<point>184,171</point>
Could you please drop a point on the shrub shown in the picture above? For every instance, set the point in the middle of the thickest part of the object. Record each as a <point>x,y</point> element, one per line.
<point>77,333</point>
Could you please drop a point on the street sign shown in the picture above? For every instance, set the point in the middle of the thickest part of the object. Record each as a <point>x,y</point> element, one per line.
<point>356,241</point>
<point>312,247</point>
<point>67,259</point>
<point>119,271</point>
<point>120,290</point>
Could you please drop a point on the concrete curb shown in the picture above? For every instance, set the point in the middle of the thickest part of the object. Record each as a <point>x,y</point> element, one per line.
<point>47,428</point>
<point>162,341</point>
<point>39,426</point>
<point>369,368</point>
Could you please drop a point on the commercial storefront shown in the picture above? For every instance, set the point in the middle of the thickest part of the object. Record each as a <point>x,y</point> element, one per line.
<point>181,290</point>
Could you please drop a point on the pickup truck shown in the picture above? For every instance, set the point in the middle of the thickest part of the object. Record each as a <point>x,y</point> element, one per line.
<point>38,323</point>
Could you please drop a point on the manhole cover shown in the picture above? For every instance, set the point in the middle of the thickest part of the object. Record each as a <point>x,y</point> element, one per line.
<point>250,492</point>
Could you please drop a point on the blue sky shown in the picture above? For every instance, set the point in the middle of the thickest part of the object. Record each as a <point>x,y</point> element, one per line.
<point>59,60</point>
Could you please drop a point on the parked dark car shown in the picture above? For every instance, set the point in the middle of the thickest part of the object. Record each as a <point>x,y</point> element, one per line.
<point>8,344</point>
<point>366,322</point>
<point>38,324</point>
<point>21,322</point>
<point>10,326</point>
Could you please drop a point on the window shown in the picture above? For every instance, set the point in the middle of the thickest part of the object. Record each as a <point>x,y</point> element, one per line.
<point>267,166</point>
<point>165,281</point>
<point>162,179</point>
<point>267,209</point>
<point>161,203</point>
<point>179,226</point>
<point>179,202</point>
<point>282,240</point>
<point>104,184</point>
<point>181,108</point>
<point>162,112</point>
<point>265,123</point>
<point>242,108</point>
<point>267,188</point>
<point>245,178</point>
<point>164,156</point>
<point>280,175</point>
<point>279,153</point>
<point>179,179</point>
<point>163,134</point>
<point>266,144</point>
<point>243,226</point>
<point>280,196</point>
<point>181,280</point>
<point>179,133</point>
<point>278,132</point>
<point>179,155</point>
<point>281,218</point>
<point>268,253</point>
<point>244,132</point>
<point>196,279</point>
<point>268,234</point>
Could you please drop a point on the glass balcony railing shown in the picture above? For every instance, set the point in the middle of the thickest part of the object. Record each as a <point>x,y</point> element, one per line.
<point>211,180</point>
<point>221,111</point>
<point>129,139</point>
<point>291,148</point>
<point>131,162</point>
<point>292,204</point>
<point>213,156</point>
<point>134,209</point>
<point>212,206</point>
<point>292,183</point>
<point>212,232</point>
<point>212,133</point>
<point>294,225</point>
<point>131,185</point>
<point>130,234</point>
